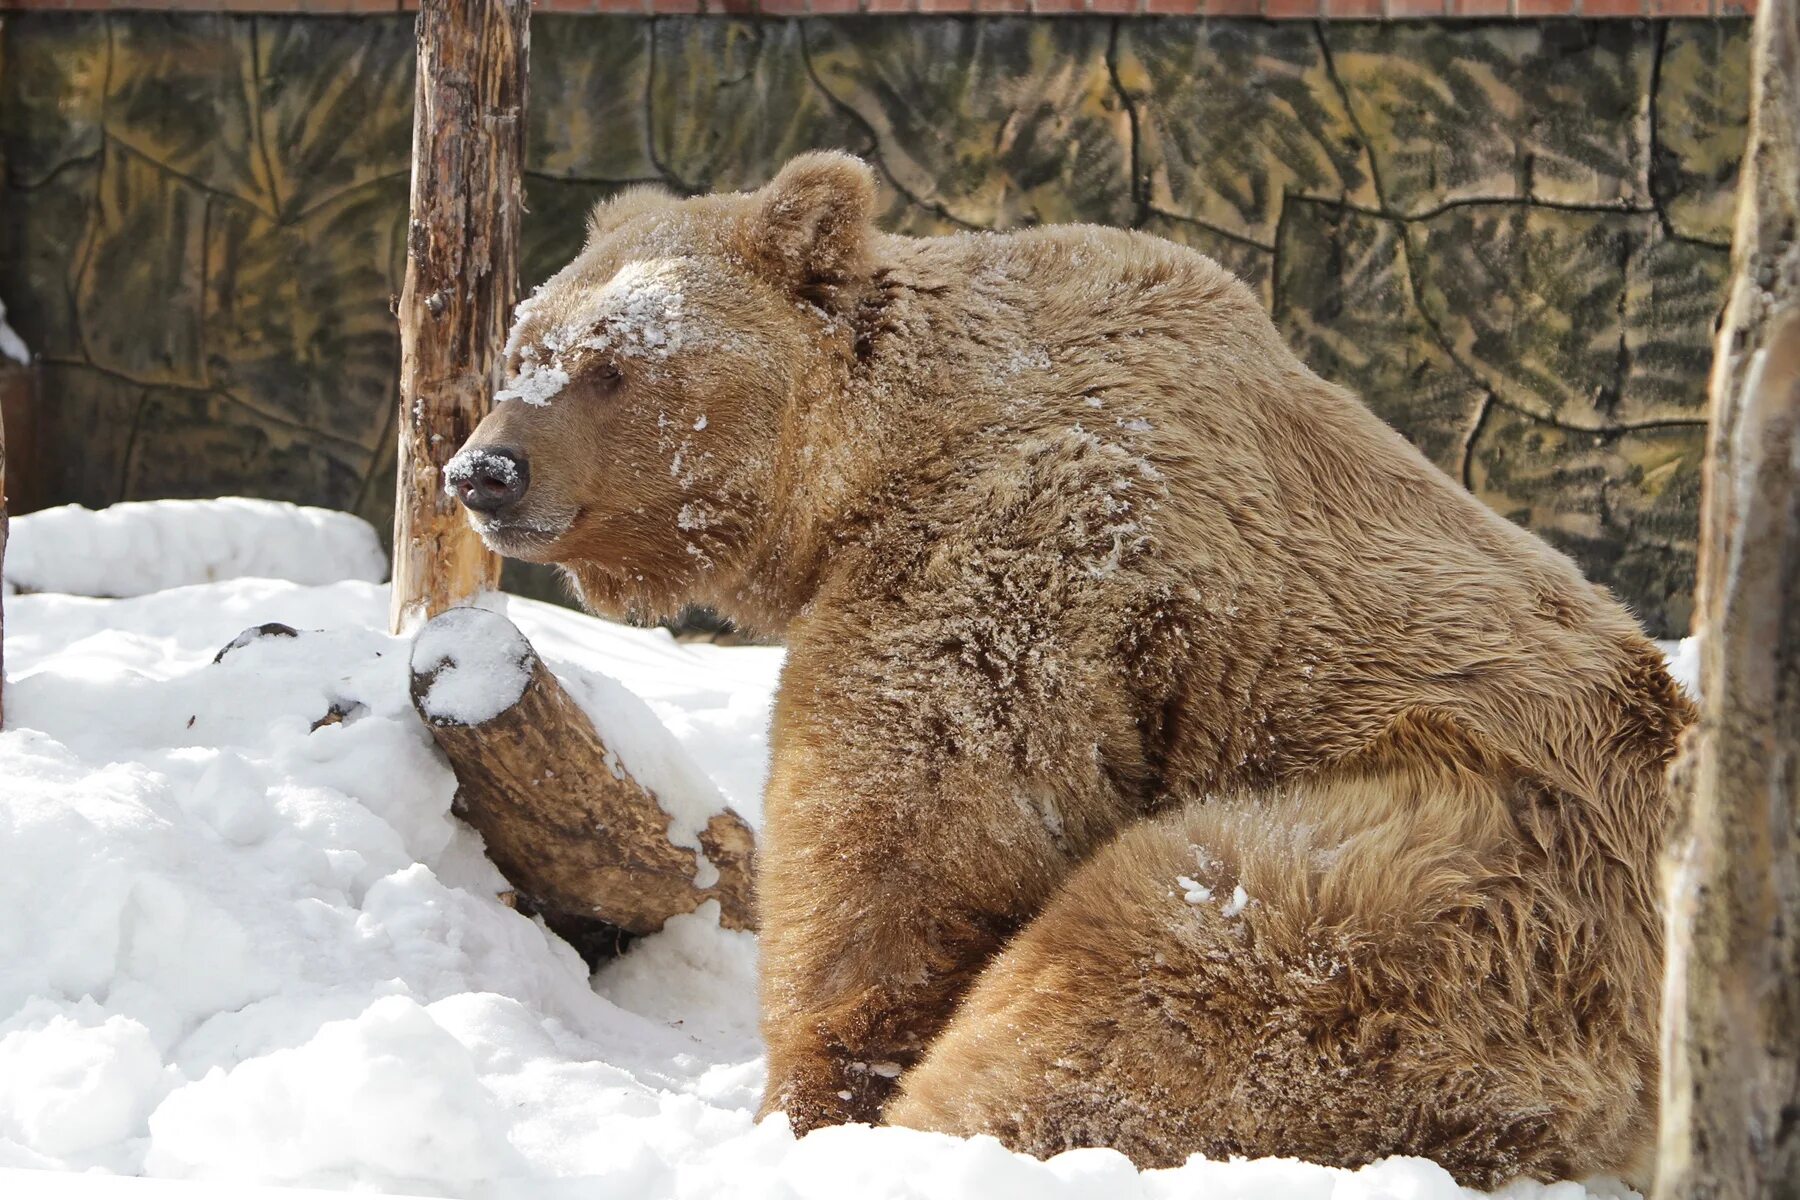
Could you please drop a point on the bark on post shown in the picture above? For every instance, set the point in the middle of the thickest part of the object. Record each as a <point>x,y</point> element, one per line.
<point>1731,1079</point>
<point>572,831</point>
<point>462,270</point>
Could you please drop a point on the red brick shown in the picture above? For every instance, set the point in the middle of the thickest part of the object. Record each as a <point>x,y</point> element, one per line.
<point>889,6</point>
<point>1736,8</point>
<point>1680,8</point>
<point>1231,8</point>
<point>1115,6</point>
<point>945,6</point>
<point>1173,8</point>
<point>833,7</point>
<point>1546,8</point>
<point>1612,8</point>
<point>1480,8</point>
<point>1002,6</point>
<point>622,6</point>
<point>1403,9</point>
<point>1283,9</point>
<point>1053,7</point>
<point>1353,10</point>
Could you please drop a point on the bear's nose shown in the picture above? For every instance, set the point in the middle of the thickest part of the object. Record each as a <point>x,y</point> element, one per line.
<point>488,480</point>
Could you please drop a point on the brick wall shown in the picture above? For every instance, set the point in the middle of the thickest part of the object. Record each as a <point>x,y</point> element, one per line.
<point>1275,10</point>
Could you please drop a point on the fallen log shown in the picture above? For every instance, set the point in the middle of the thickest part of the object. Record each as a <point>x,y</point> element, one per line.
<point>568,826</point>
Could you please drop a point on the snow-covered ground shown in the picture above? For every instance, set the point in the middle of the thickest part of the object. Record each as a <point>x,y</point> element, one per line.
<point>241,949</point>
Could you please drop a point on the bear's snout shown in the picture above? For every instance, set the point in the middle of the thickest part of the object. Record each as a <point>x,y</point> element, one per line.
<point>489,480</point>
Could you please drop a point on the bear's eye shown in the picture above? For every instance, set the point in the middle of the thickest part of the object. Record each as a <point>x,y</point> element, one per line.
<point>606,376</point>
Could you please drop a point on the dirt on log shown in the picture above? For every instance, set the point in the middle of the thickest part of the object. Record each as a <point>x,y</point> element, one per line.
<point>1731,1069</point>
<point>462,280</point>
<point>567,825</point>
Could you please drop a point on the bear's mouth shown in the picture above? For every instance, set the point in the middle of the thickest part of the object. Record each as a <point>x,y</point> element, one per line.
<point>526,538</point>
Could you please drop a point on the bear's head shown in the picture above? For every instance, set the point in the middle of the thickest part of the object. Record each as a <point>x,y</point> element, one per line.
<point>639,436</point>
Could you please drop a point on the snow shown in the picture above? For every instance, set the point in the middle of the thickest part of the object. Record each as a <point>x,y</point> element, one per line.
<point>481,663</point>
<point>466,463</point>
<point>246,947</point>
<point>637,314</point>
<point>1191,891</point>
<point>11,344</point>
<point>1240,900</point>
<point>148,546</point>
<point>535,383</point>
<point>1684,662</point>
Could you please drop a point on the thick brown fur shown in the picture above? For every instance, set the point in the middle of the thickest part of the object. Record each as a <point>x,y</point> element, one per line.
<point>1068,549</point>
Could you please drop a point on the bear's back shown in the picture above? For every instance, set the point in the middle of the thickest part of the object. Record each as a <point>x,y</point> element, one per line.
<point>1131,397</point>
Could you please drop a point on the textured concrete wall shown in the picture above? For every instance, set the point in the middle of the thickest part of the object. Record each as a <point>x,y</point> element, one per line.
<point>1510,237</point>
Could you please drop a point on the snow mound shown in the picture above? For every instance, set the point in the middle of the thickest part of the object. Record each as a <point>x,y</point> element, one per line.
<point>147,546</point>
<point>247,945</point>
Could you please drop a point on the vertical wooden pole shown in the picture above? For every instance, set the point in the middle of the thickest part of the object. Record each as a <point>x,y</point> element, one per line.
<point>1731,1078</point>
<point>3,522</point>
<point>462,272</point>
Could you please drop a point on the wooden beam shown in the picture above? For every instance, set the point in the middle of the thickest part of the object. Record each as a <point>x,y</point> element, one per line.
<point>1731,1061</point>
<point>563,819</point>
<point>462,272</point>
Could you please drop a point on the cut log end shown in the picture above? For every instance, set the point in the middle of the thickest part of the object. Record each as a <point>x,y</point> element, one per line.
<point>573,832</point>
<point>469,666</point>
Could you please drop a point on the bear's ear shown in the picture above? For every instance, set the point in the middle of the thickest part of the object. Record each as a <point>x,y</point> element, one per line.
<point>812,224</point>
<point>609,214</point>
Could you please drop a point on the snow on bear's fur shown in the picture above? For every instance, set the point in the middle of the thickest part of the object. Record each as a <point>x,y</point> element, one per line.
<point>1168,757</point>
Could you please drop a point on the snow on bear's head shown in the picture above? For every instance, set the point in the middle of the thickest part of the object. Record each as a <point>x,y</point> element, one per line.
<point>635,438</point>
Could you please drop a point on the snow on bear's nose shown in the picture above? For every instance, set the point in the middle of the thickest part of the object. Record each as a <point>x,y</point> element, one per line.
<point>488,480</point>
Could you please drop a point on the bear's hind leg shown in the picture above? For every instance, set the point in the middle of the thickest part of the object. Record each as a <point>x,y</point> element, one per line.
<point>1321,974</point>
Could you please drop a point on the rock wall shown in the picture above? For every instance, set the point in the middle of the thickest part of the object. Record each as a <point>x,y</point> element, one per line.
<point>1511,237</point>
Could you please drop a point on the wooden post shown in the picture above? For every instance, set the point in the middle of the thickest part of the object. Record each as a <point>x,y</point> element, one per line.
<point>1731,1037</point>
<point>462,280</point>
<point>3,522</point>
<point>567,825</point>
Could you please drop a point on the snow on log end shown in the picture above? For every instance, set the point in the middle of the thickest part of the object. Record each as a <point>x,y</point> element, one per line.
<point>475,665</point>
<point>140,547</point>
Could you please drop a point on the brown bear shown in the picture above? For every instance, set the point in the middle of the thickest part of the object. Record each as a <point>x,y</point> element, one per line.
<point>1168,756</point>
